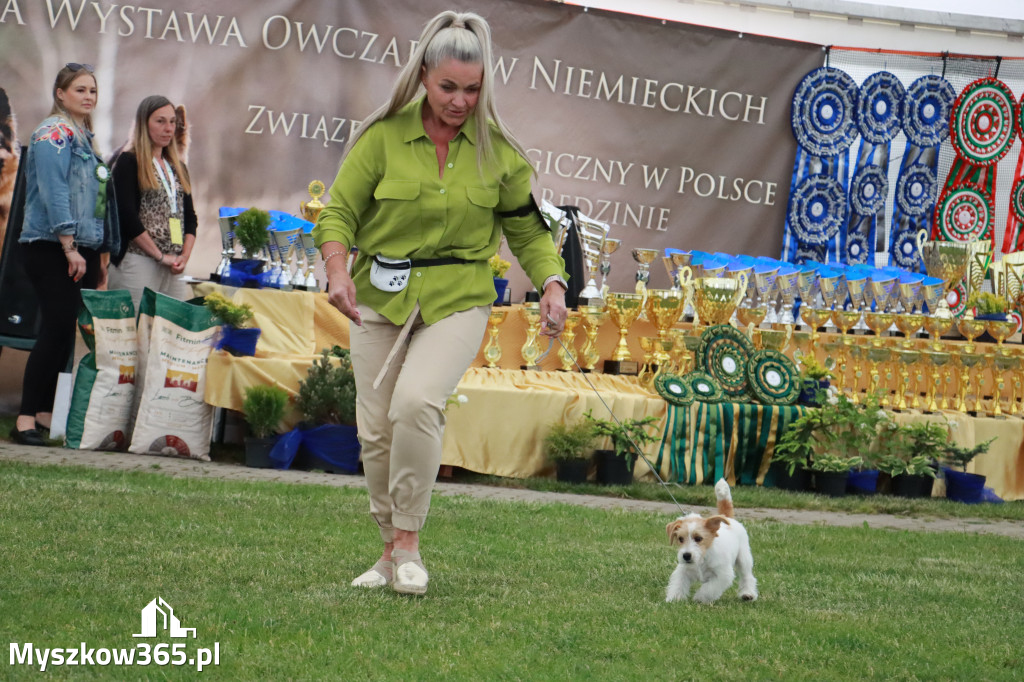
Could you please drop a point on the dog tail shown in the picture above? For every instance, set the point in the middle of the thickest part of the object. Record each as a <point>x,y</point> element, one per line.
<point>724,497</point>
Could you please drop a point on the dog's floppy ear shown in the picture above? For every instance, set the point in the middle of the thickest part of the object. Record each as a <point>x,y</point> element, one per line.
<point>714,523</point>
<point>671,529</point>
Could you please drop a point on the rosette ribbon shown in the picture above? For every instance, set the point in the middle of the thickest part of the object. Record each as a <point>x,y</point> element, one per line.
<point>1013,238</point>
<point>823,118</point>
<point>926,124</point>
<point>879,119</point>
<point>982,127</point>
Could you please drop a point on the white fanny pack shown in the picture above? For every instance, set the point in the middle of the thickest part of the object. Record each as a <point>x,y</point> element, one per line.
<point>390,274</point>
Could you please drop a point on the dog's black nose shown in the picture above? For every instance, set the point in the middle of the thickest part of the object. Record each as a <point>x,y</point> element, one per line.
<point>687,557</point>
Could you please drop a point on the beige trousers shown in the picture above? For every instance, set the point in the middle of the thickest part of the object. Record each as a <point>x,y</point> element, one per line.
<point>401,422</point>
<point>136,272</point>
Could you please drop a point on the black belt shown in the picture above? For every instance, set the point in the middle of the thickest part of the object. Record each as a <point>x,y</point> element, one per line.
<point>421,263</point>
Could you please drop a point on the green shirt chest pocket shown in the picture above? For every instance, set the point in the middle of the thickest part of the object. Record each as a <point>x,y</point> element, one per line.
<point>398,206</point>
<point>478,221</point>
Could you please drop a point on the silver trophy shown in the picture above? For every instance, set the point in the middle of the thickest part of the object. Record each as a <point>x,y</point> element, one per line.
<point>227,247</point>
<point>643,258</point>
<point>309,248</point>
<point>592,236</point>
<point>789,287</point>
<point>284,241</point>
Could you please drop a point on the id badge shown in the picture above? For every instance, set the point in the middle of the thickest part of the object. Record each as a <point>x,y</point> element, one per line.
<point>177,236</point>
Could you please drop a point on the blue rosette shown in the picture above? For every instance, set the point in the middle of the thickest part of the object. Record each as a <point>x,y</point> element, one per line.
<point>824,113</point>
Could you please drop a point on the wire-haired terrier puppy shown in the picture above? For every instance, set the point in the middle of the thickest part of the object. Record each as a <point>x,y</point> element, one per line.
<point>711,552</point>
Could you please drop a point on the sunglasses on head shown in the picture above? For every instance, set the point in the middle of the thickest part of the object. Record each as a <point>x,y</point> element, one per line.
<point>75,66</point>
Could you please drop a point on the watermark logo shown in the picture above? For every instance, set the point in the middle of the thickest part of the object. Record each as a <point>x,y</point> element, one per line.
<point>158,612</point>
<point>158,620</point>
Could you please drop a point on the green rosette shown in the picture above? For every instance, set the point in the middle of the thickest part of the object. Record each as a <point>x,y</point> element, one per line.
<point>705,388</point>
<point>674,389</point>
<point>724,354</point>
<point>774,379</point>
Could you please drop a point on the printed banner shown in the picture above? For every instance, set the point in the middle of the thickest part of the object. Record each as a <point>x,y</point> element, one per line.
<point>675,135</point>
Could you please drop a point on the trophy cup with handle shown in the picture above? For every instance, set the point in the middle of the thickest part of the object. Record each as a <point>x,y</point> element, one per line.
<point>309,282</point>
<point>592,235</point>
<point>310,210</point>
<point>623,309</point>
<point>609,247</point>
<point>644,258</point>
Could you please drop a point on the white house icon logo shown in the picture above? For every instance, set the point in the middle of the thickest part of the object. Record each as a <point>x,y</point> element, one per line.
<point>159,608</point>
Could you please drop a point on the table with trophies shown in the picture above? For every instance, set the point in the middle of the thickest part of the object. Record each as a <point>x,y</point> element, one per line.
<point>716,357</point>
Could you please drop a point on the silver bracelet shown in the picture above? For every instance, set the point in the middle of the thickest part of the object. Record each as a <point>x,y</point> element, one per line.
<point>336,253</point>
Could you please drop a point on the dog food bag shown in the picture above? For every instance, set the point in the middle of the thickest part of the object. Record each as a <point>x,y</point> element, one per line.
<point>104,388</point>
<point>172,418</point>
<point>147,306</point>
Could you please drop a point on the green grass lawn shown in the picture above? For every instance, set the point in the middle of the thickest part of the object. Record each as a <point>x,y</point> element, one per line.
<point>518,591</point>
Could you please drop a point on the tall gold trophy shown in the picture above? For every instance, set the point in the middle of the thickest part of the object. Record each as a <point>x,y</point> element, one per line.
<point>623,309</point>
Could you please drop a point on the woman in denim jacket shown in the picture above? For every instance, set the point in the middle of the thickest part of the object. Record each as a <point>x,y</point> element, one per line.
<point>62,238</point>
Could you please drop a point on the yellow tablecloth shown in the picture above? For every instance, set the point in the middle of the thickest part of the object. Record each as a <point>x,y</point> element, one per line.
<point>499,431</point>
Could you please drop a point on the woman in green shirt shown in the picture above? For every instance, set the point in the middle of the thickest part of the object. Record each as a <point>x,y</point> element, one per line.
<point>432,182</point>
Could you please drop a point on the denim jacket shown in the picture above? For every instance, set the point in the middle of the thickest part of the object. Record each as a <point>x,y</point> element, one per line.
<point>61,187</point>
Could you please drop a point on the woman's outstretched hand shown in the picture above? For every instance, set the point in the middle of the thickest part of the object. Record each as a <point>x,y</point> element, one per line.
<point>341,292</point>
<point>552,310</point>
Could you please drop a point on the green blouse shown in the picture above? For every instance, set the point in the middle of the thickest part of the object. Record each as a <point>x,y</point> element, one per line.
<point>389,200</point>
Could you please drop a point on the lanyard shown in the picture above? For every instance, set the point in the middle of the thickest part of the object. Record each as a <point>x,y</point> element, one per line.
<point>168,183</point>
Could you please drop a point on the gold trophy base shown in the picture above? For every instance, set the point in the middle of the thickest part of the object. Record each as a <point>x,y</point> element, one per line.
<point>630,367</point>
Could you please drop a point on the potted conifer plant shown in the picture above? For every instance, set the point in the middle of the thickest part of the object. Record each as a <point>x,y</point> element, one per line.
<point>960,485</point>
<point>263,407</point>
<point>569,447</point>
<point>615,466</point>
<point>238,335</point>
<point>251,231</point>
<point>327,402</point>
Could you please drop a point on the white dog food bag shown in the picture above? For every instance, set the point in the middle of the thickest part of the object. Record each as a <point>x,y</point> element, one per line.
<point>172,418</point>
<point>144,323</point>
<point>104,388</point>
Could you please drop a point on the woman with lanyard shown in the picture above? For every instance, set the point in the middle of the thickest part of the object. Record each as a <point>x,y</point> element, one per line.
<point>427,189</point>
<point>67,229</point>
<point>154,200</point>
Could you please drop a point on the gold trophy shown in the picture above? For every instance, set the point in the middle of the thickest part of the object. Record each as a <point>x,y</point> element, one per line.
<point>531,350</point>
<point>937,326</point>
<point>749,318</point>
<point>310,210</point>
<point>967,361</point>
<point>644,258</point>
<point>664,309</point>
<point>566,350</point>
<point>1003,363</point>
<point>646,374</point>
<point>814,318</point>
<point>492,351</point>
<point>970,329</point>
<point>764,284</point>
<point>608,247</point>
<point>938,359</point>
<point>623,309</point>
<point>906,357</point>
<point>717,297</point>
<point>775,339</point>
<point>592,317</point>
<point>788,285</point>
<point>948,262</point>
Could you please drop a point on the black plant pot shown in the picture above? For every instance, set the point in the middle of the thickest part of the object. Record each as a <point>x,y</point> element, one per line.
<point>913,485</point>
<point>831,483</point>
<point>799,480</point>
<point>257,452</point>
<point>612,469</point>
<point>572,470</point>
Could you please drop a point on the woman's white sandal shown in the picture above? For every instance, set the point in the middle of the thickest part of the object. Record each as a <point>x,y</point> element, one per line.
<point>410,574</point>
<point>378,576</point>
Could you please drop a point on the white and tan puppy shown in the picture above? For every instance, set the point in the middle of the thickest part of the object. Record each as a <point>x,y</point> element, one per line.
<point>711,552</point>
